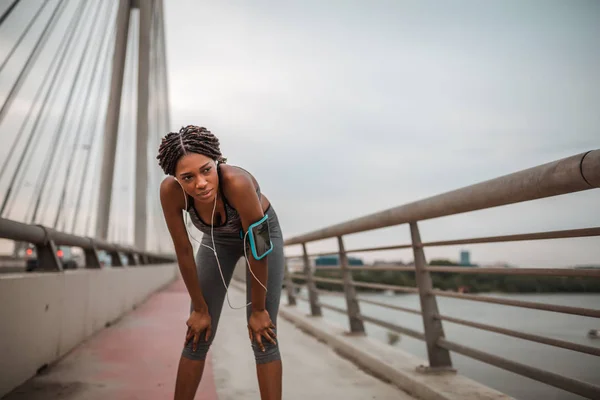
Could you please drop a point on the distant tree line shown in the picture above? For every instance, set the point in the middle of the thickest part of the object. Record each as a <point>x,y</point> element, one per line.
<point>473,283</point>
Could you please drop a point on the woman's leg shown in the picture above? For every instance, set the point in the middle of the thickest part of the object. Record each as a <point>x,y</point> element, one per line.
<point>270,377</point>
<point>268,363</point>
<point>189,374</point>
<point>191,364</point>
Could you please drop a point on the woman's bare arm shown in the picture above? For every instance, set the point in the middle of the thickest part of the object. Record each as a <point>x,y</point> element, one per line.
<point>173,202</point>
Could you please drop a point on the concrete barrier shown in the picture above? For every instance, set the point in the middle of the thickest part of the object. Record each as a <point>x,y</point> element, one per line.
<point>45,315</point>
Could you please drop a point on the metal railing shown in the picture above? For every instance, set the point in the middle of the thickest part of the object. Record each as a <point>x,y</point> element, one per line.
<point>46,241</point>
<point>568,175</point>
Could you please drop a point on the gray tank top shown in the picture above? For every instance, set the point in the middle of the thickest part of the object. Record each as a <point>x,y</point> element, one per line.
<point>233,223</point>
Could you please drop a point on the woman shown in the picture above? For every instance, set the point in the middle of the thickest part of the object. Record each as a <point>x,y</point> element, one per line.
<point>222,201</point>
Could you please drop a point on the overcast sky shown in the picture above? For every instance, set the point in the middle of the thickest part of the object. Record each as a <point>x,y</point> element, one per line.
<point>344,108</point>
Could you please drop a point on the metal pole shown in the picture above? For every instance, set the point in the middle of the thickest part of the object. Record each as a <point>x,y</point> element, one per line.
<point>163,58</point>
<point>163,98</point>
<point>315,307</point>
<point>111,127</point>
<point>439,358</point>
<point>9,10</point>
<point>356,324</point>
<point>289,286</point>
<point>141,154</point>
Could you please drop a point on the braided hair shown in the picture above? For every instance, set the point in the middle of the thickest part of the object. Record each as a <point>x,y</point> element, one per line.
<point>190,139</point>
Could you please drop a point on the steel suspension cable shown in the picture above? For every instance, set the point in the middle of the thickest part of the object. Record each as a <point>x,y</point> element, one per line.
<point>19,170</point>
<point>8,11</point>
<point>28,117</point>
<point>58,134</point>
<point>10,53</point>
<point>93,129</point>
<point>31,59</point>
<point>93,136</point>
<point>83,114</point>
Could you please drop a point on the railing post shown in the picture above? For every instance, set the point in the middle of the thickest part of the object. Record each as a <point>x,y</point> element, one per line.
<point>47,258</point>
<point>115,259</point>
<point>91,258</point>
<point>131,259</point>
<point>289,286</point>
<point>356,324</point>
<point>315,307</point>
<point>439,358</point>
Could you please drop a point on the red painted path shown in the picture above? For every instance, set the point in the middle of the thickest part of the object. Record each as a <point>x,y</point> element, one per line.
<point>136,358</point>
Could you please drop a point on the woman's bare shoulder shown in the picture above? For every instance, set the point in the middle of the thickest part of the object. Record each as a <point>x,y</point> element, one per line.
<point>171,193</point>
<point>235,176</point>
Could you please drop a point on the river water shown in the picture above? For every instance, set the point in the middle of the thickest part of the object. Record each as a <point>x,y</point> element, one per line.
<point>571,328</point>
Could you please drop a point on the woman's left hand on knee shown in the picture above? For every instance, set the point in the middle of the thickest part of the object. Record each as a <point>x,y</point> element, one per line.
<point>259,325</point>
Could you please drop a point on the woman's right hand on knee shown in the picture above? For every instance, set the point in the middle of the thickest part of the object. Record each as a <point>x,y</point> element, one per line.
<point>199,322</point>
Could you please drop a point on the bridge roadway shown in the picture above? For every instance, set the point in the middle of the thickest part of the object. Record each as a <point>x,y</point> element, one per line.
<point>136,358</point>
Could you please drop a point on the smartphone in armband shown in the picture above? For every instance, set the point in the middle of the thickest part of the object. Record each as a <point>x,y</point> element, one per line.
<point>260,238</point>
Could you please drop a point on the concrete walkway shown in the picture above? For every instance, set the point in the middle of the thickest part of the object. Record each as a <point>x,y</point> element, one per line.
<point>137,358</point>
<point>311,369</point>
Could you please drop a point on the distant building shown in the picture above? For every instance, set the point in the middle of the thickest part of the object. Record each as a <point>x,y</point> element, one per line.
<point>465,258</point>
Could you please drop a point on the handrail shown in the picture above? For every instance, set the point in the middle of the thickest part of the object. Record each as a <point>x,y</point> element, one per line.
<point>571,272</point>
<point>562,234</point>
<point>568,175</point>
<point>588,390</point>
<point>526,336</point>
<point>41,236</point>
<point>586,312</point>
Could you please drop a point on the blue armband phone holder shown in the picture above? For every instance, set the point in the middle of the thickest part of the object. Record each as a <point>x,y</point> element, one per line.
<point>260,238</point>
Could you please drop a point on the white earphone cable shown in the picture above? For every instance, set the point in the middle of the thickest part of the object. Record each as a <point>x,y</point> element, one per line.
<point>215,247</point>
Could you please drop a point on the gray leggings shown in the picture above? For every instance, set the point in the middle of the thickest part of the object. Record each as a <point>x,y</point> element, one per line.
<point>230,250</point>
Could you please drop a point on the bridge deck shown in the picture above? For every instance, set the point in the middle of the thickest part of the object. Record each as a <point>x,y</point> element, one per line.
<point>137,357</point>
